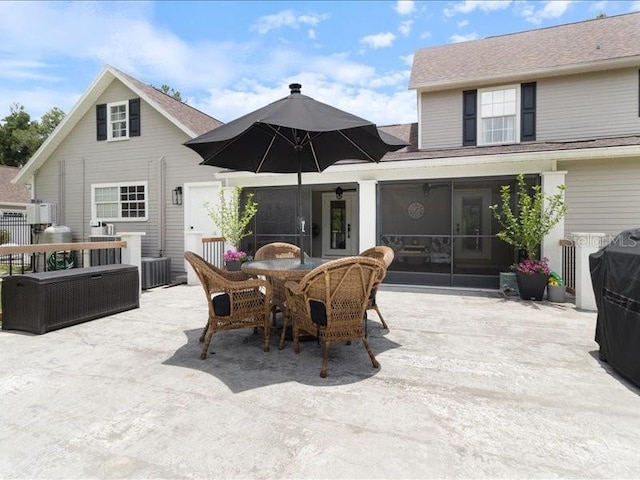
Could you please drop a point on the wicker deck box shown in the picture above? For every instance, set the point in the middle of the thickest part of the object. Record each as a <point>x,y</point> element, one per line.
<point>41,302</point>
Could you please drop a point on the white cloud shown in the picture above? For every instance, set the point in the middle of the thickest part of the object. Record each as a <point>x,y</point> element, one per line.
<point>469,6</point>
<point>463,23</point>
<point>550,10</point>
<point>635,6</point>
<point>405,7</point>
<point>407,59</point>
<point>311,34</point>
<point>405,27</point>
<point>379,40</point>
<point>464,38</point>
<point>286,18</point>
<point>424,35</point>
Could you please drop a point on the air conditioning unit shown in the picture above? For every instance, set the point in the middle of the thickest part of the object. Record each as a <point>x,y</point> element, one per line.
<point>39,213</point>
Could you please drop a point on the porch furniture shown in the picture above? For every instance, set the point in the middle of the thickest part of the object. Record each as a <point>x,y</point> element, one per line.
<point>46,301</point>
<point>233,304</point>
<point>330,303</point>
<point>278,271</point>
<point>273,251</point>
<point>386,255</point>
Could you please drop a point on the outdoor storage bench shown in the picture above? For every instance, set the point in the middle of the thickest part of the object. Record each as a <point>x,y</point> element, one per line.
<point>41,302</point>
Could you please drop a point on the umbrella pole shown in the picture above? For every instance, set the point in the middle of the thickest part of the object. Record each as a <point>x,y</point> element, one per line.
<point>299,215</point>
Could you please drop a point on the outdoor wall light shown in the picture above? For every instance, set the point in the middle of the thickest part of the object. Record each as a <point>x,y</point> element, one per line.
<point>339,192</point>
<point>426,189</point>
<point>176,196</point>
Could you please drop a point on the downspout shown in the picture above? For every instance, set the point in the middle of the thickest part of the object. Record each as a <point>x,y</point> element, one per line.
<point>84,198</point>
<point>60,220</point>
<point>162,213</point>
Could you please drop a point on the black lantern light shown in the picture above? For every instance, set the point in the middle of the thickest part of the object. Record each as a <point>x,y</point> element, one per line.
<point>176,196</point>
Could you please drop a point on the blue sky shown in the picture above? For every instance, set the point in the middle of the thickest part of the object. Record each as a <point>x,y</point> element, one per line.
<point>228,58</point>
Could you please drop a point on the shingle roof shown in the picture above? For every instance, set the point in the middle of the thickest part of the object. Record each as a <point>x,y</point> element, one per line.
<point>581,46</point>
<point>11,192</point>
<point>190,117</point>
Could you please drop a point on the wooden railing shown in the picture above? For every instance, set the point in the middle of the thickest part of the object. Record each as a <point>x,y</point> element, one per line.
<point>31,258</point>
<point>213,250</point>
<point>569,264</point>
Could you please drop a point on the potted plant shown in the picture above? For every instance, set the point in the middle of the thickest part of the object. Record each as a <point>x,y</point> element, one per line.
<point>556,288</point>
<point>536,214</point>
<point>232,218</point>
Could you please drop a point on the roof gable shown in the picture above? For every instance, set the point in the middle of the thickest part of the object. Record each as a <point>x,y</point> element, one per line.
<point>591,45</point>
<point>188,119</point>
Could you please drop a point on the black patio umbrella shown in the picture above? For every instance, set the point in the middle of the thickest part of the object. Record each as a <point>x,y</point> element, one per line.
<point>293,135</point>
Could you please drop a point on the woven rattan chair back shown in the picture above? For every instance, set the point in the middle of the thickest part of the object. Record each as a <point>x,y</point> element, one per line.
<point>247,304</point>
<point>272,251</point>
<point>386,254</point>
<point>330,303</point>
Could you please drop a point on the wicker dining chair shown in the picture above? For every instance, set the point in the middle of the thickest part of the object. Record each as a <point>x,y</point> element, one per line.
<point>330,303</point>
<point>234,301</point>
<point>386,254</point>
<point>272,251</point>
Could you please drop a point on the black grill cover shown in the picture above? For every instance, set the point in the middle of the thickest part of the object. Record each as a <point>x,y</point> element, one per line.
<point>615,275</point>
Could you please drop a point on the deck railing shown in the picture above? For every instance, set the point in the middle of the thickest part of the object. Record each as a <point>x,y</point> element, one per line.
<point>213,250</point>
<point>569,264</point>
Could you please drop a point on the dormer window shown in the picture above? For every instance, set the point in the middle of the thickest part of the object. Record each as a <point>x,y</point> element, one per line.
<point>118,120</point>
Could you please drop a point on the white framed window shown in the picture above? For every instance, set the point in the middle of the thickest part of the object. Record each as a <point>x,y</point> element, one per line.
<point>118,120</point>
<point>119,202</point>
<point>499,118</point>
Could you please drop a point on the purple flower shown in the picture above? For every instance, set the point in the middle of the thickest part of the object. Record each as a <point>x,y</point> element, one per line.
<point>531,267</point>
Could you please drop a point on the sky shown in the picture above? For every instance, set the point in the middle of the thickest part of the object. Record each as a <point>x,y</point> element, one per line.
<point>227,58</point>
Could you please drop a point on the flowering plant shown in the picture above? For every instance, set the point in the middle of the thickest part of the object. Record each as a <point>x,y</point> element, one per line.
<point>531,267</point>
<point>235,256</point>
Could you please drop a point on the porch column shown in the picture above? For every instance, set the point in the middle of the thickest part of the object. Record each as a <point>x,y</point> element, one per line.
<point>586,244</point>
<point>192,243</point>
<point>132,253</point>
<point>551,243</point>
<point>367,214</point>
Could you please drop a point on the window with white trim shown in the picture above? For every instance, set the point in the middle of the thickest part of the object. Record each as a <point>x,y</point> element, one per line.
<point>499,113</point>
<point>119,202</point>
<point>118,120</point>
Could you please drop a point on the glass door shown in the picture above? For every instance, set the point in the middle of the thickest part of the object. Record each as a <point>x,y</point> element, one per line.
<point>339,228</point>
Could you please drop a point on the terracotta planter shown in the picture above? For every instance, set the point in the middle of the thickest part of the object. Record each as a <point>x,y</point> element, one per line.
<point>531,287</point>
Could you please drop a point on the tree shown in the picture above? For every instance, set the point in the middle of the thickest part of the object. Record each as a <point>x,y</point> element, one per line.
<point>230,218</point>
<point>20,137</point>
<point>167,90</point>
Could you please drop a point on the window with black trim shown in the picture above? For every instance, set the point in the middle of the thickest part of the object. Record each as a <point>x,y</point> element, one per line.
<point>118,120</point>
<point>119,201</point>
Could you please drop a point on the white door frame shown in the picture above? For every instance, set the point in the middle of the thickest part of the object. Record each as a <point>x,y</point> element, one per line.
<point>351,204</point>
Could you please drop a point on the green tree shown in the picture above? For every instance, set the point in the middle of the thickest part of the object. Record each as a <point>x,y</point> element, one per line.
<point>167,90</point>
<point>231,219</point>
<point>20,136</point>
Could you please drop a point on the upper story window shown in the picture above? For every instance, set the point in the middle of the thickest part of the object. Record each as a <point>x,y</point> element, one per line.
<point>498,115</point>
<point>119,201</point>
<point>118,120</point>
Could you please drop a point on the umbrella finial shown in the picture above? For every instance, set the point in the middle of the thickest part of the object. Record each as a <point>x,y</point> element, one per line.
<point>295,87</point>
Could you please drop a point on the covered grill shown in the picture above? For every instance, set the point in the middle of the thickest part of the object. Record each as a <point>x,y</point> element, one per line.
<point>615,275</point>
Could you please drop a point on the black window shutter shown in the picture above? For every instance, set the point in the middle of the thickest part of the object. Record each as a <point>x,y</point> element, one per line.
<point>469,122</point>
<point>134,117</point>
<point>528,112</point>
<point>101,121</point>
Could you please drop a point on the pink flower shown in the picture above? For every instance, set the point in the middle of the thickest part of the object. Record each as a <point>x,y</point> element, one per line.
<point>531,267</point>
<point>235,256</point>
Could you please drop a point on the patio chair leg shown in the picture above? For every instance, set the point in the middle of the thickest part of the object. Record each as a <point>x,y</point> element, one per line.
<point>284,332</point>
<point>205,347</point>
<point>296,341</point>
<point>374,362</point>
<point>267,336</point>
<point>204,332</point>
<point>325,359</point>
<point>384,324</point>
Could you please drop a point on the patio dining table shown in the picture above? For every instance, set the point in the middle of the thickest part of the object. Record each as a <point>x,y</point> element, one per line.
<point>280,270</point>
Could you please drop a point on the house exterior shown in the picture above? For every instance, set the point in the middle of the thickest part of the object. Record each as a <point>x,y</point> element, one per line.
<point>117,158</point>
<point>560,105</point>
<point>13,206</point>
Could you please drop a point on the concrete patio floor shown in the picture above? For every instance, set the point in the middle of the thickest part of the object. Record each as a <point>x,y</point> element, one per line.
<point>471,385</point>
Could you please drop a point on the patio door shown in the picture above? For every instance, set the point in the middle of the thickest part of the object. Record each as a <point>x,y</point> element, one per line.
<point>339,225</point>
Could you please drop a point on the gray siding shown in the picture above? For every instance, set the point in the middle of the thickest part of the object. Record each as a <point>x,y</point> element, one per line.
<point>441,122</point>
<point>602,196</point>
<point>576,107</point>
<point>157,157</point>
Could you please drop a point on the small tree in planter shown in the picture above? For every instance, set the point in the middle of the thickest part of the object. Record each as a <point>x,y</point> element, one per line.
<point>526,228</point>
<point>232,220</point>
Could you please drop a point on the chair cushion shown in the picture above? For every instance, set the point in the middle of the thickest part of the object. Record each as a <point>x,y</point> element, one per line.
<point>318,312</point>
<point>222,305</point>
